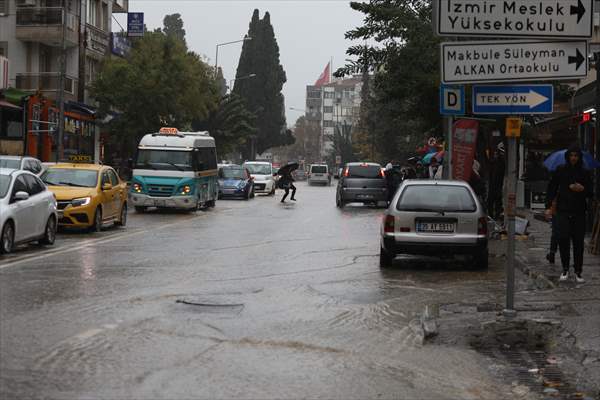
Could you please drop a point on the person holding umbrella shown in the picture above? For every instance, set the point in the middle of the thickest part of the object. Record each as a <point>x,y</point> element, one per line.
<point>286,181</point>
<point>570,186</point>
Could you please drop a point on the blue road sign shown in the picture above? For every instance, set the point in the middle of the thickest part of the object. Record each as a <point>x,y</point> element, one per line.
<point>514,99</point>
<point>452,100</point>
<point>135,24</point>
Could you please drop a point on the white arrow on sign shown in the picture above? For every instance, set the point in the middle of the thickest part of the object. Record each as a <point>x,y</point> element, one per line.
<point>532,99</point>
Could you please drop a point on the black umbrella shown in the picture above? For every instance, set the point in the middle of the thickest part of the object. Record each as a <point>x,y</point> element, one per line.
<point>288,168</point>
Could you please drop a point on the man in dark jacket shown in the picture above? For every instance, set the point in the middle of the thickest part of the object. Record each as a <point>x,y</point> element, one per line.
<point>571,186</point>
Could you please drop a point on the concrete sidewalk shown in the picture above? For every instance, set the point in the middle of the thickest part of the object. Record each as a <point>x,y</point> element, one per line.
<point>577,306</point>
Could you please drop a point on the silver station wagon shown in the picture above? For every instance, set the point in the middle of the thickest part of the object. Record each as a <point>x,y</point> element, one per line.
<point>434,218</point>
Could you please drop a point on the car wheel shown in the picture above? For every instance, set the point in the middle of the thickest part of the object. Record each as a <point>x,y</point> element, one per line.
<point>481,260</point>
<point>386,259</point>
<point>50,232</point>
<point>7,241</point>
<point>123,218</point>
<point>140,209</point>
<point>97,226</point>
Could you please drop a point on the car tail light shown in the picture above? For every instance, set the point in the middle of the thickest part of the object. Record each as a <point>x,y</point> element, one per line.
<point>346,172</point>
<point>388,224</point>
<point>482,228</point>
<point>382,173</point>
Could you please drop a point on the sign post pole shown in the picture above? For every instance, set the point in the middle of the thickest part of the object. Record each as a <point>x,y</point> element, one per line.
<point>449,123</point>
<point>513,131</point>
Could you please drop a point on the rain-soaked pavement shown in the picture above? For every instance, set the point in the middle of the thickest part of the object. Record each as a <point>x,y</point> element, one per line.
<point>252,299</point>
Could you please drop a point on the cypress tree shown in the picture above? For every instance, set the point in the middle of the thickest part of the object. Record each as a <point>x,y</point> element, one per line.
<point>262,93</point>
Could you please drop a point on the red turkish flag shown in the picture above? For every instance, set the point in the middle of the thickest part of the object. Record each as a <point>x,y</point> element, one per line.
<point>324,78</point>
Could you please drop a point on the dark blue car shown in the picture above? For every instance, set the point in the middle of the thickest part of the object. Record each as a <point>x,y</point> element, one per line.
<point>235,181</point>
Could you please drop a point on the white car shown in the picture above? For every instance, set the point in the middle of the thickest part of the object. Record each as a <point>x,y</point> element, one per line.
<point>262,172</point>
<point>27,210</point>
<point>319,173</point>
<point>26,163</point>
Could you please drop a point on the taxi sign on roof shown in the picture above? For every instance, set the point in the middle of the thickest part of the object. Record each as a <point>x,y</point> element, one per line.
<point>168,131</point>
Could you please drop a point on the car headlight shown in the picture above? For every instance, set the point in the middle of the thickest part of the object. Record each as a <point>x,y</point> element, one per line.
<point>83,201</point>
<point>136,187</point>
<point>186,189</point>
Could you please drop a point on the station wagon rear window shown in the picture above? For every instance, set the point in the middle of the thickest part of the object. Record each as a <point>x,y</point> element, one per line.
<point>436,198</point>
<point>319,169</point>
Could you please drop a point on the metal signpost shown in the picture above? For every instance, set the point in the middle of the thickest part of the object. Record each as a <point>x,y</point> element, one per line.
<point>552,45</point>
<point>515,99</point>
<point>512,61</point>
<point>548,19</point>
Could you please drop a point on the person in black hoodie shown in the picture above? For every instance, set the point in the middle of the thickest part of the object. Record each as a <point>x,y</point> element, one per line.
<point>571,186</point>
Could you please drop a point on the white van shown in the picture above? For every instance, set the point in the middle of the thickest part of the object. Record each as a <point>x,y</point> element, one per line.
<point>319,174</point>
<point>262,173</point>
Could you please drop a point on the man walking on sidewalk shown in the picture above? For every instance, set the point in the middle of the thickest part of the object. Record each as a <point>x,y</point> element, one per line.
<point>571,186</point>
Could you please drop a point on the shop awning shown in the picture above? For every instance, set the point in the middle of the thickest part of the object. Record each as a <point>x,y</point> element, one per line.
<point>6,104</point>
<point>81,108</point>
<point>14,96</point>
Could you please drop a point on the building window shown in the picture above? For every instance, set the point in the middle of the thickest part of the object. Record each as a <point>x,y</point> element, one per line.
<point>105,17</point>
<point>314,94</point>
<point>4,49</point>
<point>92,11</point>
<point>328,109</point>
<point>328,124</point>
<point>329,95</point>
<point>91,70</point>
<point>3,7</point>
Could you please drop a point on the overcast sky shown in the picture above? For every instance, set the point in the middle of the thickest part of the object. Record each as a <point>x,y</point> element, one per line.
<point>309,33</point>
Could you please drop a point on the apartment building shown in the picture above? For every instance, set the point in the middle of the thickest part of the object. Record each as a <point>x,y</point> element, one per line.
<point>32,36</point>
<point>332,106</point>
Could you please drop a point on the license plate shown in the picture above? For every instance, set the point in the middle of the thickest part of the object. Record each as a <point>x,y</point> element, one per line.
<point>435,227</point>
<point>159,203</point>
<point>364,196</point>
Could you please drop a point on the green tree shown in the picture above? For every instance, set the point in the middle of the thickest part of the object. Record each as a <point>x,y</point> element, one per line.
<point>160,84</point>
<point>402,98</point>
<point>262,93</point>
<point>173,26</point>
<point>231,124</point>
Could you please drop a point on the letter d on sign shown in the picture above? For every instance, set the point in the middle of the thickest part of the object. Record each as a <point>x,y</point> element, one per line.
<point>452,100</point>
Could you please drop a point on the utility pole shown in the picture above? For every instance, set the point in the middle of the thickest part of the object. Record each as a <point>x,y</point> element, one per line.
<point>597,62</point>
<point>61,86</point>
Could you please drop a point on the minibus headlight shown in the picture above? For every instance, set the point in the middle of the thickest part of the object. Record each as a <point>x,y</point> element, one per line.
<point>136,187</point>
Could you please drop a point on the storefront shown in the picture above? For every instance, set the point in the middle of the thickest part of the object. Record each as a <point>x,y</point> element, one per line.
<point>11,122</point>
<point>81,134</point>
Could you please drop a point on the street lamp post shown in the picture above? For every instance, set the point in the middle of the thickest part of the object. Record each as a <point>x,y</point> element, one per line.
<point>239,79</point>
<point>224,44</point>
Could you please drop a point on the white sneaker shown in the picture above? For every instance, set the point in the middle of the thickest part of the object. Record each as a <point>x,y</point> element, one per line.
<point>563,277</point>
<point>579,278</point>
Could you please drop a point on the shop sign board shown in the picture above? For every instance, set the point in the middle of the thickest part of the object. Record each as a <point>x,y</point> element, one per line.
<point>514,60</point>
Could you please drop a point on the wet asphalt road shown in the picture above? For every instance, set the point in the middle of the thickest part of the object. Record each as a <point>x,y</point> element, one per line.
<point>289,303</point>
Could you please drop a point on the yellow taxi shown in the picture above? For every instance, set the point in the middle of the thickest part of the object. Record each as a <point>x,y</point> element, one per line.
<point>88,195</point>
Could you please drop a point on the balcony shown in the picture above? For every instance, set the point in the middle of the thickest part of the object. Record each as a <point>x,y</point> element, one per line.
<point>44,25</point>
<point>47,83</point>
<point>98,42</point>
<point>120,6</point>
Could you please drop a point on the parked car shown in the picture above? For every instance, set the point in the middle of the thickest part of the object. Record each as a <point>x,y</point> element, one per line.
<point>319,174</point>
<point>30,164</point>
<point>235,181</point>
<point>361,183</point>
<point>89,195</point>
<point>28,210</point>
<point>262,173</point>
<point>434,218</point>
<point>299,175</point>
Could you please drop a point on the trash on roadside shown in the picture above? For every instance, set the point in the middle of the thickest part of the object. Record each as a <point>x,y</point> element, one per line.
<point>534,370</point>
<point>521,225</point>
